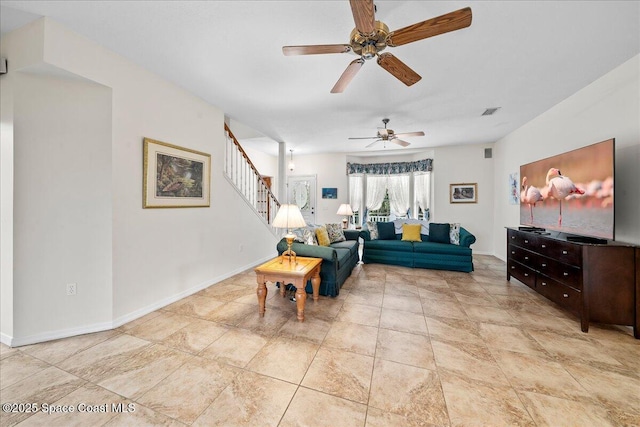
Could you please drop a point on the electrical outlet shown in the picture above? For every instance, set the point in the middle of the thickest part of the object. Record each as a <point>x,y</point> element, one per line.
<point>71,288</point>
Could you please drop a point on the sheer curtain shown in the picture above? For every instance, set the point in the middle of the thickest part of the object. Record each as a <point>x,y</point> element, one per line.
<point>355,192</point>
<point>376,189</point>
<point>399,201</point>
<point>422,189</point>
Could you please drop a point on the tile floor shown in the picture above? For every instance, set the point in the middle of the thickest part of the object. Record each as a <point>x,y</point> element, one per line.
<point>398,347</point>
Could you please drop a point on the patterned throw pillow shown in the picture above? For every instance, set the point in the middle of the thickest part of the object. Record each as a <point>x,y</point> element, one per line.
<point>335,233</point>
<point>454,233</point>
<point>310,236</point>
<point>323,236</point>
<point>373,229</point>
<point>299,233</point>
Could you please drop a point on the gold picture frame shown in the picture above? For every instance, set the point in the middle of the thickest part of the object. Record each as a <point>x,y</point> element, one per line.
<point>463,193</point>
<point>175,177</point>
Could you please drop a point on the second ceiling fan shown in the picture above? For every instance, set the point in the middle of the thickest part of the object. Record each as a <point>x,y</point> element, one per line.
<point>389,135</point>
<point>370,37</point>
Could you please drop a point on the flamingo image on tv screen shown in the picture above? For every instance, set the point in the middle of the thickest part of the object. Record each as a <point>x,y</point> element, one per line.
<point>571,192</point>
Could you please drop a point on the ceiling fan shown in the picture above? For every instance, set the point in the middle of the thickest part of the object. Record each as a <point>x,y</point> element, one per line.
<point>389,135</point>
<point>370,37</point>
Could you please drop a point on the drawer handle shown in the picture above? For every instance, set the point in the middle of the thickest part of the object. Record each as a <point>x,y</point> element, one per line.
<point>513,237</point>
<point>544,246</point>
<point>513,267</point>
<point>565,273</point>
<point>526,274</point>
<point>544,283</point>
<point>544,265</point>
<point>564,252</point>
<point>513,252</point>
<point>526,257</point>
<point>565,295</point>
<point>526,241</point>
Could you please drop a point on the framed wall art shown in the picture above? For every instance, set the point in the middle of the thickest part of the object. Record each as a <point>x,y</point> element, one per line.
<point>463,193</point>
<point>175,177</point>
<point>329,193</point>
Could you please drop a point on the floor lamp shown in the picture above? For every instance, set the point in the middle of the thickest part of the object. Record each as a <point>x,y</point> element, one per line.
<point>289,217</point>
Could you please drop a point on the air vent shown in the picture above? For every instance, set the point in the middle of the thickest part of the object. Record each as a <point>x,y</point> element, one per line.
<point>490,111</point>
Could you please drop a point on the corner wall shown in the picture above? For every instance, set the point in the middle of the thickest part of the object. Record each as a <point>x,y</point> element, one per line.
<point>609,107</point>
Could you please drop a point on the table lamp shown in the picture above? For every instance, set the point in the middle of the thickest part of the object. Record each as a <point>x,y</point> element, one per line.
<point>288,217</point>
<point>345,209</point>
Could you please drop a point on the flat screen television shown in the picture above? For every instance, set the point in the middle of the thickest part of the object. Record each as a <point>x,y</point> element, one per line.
<point>571,192</point>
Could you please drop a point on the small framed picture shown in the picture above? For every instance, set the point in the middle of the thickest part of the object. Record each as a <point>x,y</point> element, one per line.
<point>463,193</point>
<point>175,177</point>
<point>329,193</point>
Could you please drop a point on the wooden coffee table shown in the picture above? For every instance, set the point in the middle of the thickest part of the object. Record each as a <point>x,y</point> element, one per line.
<point>289,271</point>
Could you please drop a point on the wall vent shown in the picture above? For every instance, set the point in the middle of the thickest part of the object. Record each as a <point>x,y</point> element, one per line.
<point>488,153</point>
<point>490,111</point>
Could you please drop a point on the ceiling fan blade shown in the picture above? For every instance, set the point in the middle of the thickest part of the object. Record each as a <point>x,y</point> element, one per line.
<point>348,75</point>
<point>400,142</point>
<point>315,49</point>
<point>431,27</point>
<point>363,15</point>
<point>399,69</point>
<point>373,143</point>
<point>366,137</point>
<point>405,135</point>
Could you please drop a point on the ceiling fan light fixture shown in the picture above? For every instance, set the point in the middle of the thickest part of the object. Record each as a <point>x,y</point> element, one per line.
<point>369,51</point>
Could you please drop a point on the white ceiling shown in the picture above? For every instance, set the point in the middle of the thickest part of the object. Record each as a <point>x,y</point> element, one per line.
<point>522,56</point>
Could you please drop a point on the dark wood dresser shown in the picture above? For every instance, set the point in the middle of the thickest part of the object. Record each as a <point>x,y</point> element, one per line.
<point>597,282</point>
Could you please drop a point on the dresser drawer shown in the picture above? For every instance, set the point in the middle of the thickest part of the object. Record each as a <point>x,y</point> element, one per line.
<point>562,295</point>
<point>523,256</point>
<point>523,239</point>
<point>522,273</point>
<point>563,273</point>
<point>561,251</point>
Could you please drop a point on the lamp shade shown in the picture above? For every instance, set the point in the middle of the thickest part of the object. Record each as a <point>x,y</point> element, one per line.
<point>344,209</point>
<point>289,216</point>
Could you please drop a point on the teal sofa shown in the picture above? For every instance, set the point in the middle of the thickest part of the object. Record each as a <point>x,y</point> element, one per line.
<point>338,260</point>
<point>424,254</point>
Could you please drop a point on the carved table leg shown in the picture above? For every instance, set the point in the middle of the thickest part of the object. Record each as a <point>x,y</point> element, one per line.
<point>283,289</point>
<point>315,284</point>
<point>301,298</point>
<point>261,291</point>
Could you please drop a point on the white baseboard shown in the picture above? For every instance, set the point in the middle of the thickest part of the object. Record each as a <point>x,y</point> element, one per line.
<point>105,326</point>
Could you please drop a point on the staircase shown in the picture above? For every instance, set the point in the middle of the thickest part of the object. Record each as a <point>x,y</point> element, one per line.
<point>244,176</point>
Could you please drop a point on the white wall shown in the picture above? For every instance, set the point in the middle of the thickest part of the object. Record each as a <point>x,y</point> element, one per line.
<point>609,107</point>
<point>157,255</point>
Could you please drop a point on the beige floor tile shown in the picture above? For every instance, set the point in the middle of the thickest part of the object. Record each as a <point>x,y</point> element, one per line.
<point>195,305</point>
<point>284,359</point>
<point>359,296</point>
<point>250,400</point>
<point>17,367</point>
<point>573,349</point>
<point>48,385</point>
<point>343,413</point>
<point>313,329</point>
<point>473,361</point>
<point>402,302</point>
<point>408,391</point>
<point>228,292</point>
<point>537,320</point>
<point>557,412</point>
<point>473,404</point>
<point>6,351</point>
<point>340,373</point>
<point>401,286</point>
<point>361,314</point>
<point>271,323</point>
<point>379,418</point>
<point>137,374</point>
<point>142,417</point>
<point>403,321</point>
<point>539,374</point>
<point>196,336</point>
<point>237,347</point>
<point>161,327</point>
<point>475,298</point>
<point>510,338</point>
<point>232,313</point>
<point>326,308</point>
<point>437,294</point>
<point>139,321</point>
<point>190,389</point>
<point>352,337</point>
<point>446,328</point>
<point>481,313</point>
<point>406,348</point>
<point>440,308</point>
<point>56,351</point>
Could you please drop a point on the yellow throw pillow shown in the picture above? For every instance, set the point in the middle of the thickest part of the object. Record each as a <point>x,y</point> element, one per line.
<point>323,236</point>
<point>411,232</point>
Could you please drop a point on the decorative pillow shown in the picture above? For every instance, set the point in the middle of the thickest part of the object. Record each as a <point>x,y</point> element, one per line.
<point>323,236</point>
<point>373,229</point>
<point>411,232</point>
<point>386,231</point>
<point>309,236</point>
<point>439,233</point>
<point>299,233</point>
<point>335,233</point>
<point>454,233</point>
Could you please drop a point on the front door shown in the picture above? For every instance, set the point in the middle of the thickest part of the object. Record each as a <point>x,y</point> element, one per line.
<point>302,192</point>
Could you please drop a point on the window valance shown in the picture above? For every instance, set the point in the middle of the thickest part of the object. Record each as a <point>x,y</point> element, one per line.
<point>425,165</point>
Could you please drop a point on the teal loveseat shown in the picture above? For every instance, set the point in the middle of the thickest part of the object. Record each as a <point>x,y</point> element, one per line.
<point>338,260</point>
<point>424,254</point>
